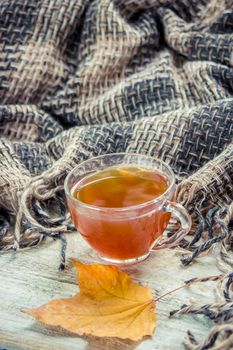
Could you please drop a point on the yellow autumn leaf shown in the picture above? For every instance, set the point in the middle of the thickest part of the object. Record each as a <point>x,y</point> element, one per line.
<point>109,304</point>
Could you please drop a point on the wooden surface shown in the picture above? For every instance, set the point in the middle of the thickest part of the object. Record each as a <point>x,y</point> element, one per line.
<point>31,278</point>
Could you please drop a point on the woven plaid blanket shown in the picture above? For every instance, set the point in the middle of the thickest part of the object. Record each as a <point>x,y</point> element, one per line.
<point>80,78</point>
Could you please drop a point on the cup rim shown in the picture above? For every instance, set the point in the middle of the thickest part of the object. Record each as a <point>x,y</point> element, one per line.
<point>123,209</point>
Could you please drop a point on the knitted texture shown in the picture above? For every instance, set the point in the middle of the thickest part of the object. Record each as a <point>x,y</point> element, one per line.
<point>81,78</point>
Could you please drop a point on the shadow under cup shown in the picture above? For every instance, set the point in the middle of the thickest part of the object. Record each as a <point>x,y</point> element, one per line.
<point>128,234</point>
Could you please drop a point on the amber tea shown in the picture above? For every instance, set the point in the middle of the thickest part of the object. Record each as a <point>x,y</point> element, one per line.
<point>121,204</point>
<point>120,187</point>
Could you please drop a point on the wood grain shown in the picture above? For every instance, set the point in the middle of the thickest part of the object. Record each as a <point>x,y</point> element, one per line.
<point>31,278</point>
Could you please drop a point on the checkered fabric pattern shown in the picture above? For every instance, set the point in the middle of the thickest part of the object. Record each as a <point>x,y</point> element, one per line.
<point>80,78</point>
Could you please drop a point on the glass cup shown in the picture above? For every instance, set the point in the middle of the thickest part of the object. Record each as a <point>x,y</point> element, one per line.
<point>126,235</point>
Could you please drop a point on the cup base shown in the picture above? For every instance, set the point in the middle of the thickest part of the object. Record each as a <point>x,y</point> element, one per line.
<point>125,261</point>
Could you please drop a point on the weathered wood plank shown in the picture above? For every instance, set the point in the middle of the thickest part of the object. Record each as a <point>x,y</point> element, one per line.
<point>31,278</point>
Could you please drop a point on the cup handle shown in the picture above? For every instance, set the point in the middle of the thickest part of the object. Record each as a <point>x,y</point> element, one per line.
<point>185,221</point>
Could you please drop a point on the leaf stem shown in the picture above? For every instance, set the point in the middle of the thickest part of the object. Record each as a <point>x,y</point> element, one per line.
<point>192,281</point>
<point>170,292</point>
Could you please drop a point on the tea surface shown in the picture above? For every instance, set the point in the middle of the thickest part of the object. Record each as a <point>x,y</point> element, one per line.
<point>122,186</point>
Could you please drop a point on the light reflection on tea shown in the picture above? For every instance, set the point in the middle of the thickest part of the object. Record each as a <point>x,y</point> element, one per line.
<point>121,187</point>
